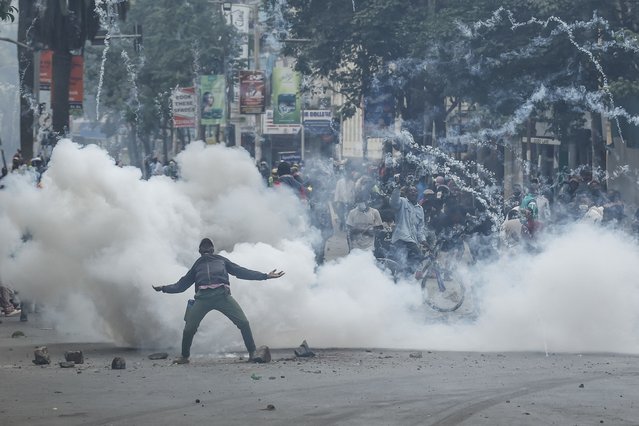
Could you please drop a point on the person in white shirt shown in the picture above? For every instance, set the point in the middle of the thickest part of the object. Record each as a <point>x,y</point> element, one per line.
<point>361,224</point>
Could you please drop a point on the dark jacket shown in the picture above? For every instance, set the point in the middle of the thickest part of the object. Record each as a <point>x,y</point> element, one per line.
<point>290,181</point>
<point>212,269</point>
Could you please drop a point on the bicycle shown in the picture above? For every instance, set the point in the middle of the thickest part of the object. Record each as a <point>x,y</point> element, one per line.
<point>442,288</point>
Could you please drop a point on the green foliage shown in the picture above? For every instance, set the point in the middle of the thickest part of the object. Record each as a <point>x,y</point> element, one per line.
<point>7,12</point>
<point>179,44</point>
<point>429,50</point>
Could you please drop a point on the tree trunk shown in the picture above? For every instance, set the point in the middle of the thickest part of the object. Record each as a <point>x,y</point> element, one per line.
<point>165,143</point>
<point>134,152</point>
<point>598,149</point>
<point>60,91</point>
<point>440,119</point>
<point>26,74</point>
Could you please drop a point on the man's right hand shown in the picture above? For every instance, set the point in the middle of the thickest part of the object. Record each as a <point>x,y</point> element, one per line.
<point>158,288</point>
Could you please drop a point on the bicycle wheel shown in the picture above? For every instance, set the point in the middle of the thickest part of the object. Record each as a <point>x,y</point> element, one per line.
<point>442,291</point>
<point>389,265</point>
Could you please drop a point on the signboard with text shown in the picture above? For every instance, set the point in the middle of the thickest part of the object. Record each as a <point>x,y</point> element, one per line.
<point>76,83</point>
<point>238,17</point>
<point>286,96</point>
<point>46,69</point>
<point>318,121</point>
<point>212,97</point>
<point>252,92</point>
<point>183,105</point>
<point>270,128</point>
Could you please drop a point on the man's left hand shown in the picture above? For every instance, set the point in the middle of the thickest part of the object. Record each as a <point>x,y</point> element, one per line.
<point>274,274</point>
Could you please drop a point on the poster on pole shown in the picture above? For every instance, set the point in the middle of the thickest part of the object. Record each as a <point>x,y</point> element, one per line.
<point>76,83</point>
<point>44,107</point>
<point>212,100</point>
<point>286,96</point>
<point>252,92</point>
<point>183,105</point>
<point>238,17</point>
<point>46,69</point>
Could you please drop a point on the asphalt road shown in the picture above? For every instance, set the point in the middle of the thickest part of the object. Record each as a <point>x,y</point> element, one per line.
<point>368,386</point>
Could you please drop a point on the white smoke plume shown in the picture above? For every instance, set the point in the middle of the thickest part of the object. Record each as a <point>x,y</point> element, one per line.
<point>98,237</point>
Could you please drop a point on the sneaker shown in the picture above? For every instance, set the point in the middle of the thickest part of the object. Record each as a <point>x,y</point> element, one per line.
<point>181,360</point>
<point>12,313</point>
<point>251,357</point>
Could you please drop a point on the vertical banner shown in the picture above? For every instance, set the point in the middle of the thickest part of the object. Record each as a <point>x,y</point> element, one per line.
<point>76,83</point>
<point>212,96</point>
<point>252,92</point>
<point>238,16</point>
<point>286,96</point>
<point>45,124</point>
<point>183,105</point>
<point>46,69</point>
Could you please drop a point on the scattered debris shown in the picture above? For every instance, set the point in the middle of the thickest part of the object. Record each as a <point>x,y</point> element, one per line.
<point>303,351</point>
<point>41,356</point>
<point>17,334</point>
<point>118,363</point>
<point>255,376</point>
<point>159,355</point>
<point>262,355</point>
<point>416,355</point>
<point>270,407</point>
<point>76,357</point>
<point>272,378</point>
<point>67,364</point>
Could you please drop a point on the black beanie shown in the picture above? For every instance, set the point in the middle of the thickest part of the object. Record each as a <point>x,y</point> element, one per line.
<point>206,246</point>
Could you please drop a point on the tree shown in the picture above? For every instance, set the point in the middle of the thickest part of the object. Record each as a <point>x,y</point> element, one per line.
<point>513,60</point>
<point>179,44</point>
<point>7,11</point>
<point>64,27</point>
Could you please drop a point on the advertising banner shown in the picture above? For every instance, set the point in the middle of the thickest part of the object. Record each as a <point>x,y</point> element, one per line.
<point>238,16</point>
<point>46,80</point>
<point>318,121</point>
<point>212,98</point>
<point>252,92</point>
<point>286,96</point>
<point>270,128</point>
<point>183,105</point>
<point>76,83</point>
<point>46,69</point>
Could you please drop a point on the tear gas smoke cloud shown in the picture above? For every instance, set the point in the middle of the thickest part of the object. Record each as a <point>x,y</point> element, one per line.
<point>101,236</point>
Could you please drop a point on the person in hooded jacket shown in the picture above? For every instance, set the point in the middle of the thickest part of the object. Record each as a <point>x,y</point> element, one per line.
<point>210,274</point>
<point>285,178</point>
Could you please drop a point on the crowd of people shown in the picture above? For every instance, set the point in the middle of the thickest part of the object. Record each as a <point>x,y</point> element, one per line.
<point>391,209</point>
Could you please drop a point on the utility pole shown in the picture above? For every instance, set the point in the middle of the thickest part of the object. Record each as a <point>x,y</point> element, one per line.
<point>27,78</point>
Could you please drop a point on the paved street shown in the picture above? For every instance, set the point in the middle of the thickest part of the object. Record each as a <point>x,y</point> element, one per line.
<point>368,386</point>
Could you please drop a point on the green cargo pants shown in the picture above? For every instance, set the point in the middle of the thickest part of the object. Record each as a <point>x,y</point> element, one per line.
<point>218,299</point>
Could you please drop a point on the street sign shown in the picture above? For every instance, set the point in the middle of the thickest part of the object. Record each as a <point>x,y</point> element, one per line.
<point>542,141</point>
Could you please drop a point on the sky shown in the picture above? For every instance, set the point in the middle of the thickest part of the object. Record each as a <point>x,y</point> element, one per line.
<point>99,236</point>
